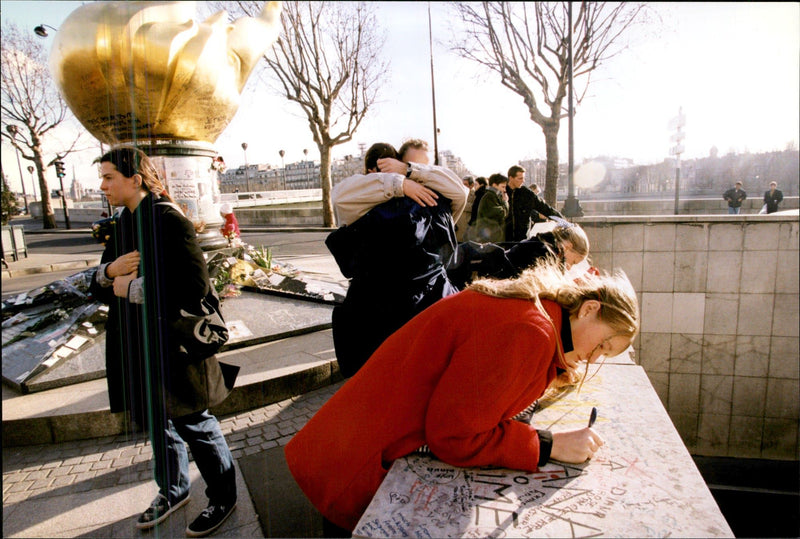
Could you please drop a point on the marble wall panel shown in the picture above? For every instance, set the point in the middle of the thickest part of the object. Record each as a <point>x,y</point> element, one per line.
<point>755,312</point>
<point>724,269</point>
<point>721,314</point>
<point>628,237</point>
<point>686,425</point>
<point>716,394</point>
<point>783,399</point>
<point>655,352</point>
<point>789,236</point>
<point>786,318</point>
<point>684,393</point>
<point>691,268</point>
<point>745,436</point>
<point>758,272</point>
<point>600,237</point>
<point>688,312</point>
<point>658,272</point>
<point>761,236</point>
<point>725,237</point>
<point>749,396</point>
<point>780,439</point>
<point>656,312</point>
<point>659,237</point>
<point>719,354</point>
<point>712,435</point>
<point>686,352</point>
<point>752,356</point>
<point>691,237</point>
<point>603,261</point>
<point>783,358</point>
<point>660,381</point>
<point>788,269</point>
<point>631,264</point>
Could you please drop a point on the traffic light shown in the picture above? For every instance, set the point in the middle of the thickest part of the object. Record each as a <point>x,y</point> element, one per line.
<point>60,169</point>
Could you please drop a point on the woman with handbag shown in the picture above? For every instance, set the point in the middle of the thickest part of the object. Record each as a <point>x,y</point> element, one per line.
<point>155,281</point>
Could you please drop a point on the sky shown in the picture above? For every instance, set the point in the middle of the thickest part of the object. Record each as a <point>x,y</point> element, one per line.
<point>733,69</point>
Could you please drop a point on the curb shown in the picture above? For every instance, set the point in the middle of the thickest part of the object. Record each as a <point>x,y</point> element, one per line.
<point>98,424</point>
<point>48,268</point>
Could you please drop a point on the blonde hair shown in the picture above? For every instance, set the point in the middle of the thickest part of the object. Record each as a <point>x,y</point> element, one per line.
<point>619,307</point>
<point>575,235</point>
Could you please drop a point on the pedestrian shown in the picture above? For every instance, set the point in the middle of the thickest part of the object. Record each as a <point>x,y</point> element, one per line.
<point>466,215</point>
<point>523,204</point>
<point>396,235</point>
<point>152,274</point>
<point>734,197</point>
<point>455,376</point>
<point>772,197</point>
<point>490,227</point>
<point>481,182</point>
<point>537,217</point>
<point>230,228</point>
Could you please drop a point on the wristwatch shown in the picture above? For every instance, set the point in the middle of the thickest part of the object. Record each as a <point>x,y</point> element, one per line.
<point>408,170</point>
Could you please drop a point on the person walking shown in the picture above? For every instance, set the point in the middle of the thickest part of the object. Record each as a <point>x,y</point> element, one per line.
<point>152,275</point>
<point>455,376</point>
<point>734,197</point>
<point>772,197</point>
<point>523,206</point>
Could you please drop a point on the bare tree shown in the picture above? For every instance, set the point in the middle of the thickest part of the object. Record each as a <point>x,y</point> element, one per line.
<point>31,105</point>
<point>327,60</point>
<point>527,44</point>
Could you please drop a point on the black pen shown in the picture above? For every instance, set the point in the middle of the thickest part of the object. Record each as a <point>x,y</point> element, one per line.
<point>593,417</point>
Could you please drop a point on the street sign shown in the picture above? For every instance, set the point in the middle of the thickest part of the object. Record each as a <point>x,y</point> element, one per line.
<point>676,150</point>
<point>677,137</point>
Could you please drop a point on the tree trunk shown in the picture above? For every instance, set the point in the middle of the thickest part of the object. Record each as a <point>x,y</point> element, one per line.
<point>551,168</point>
<point>325,182</point>
<point>48,216</point>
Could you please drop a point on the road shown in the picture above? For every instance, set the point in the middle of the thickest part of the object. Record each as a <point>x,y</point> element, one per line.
<point>286,246</point>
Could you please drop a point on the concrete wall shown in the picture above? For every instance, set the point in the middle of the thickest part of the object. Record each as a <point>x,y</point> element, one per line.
<point>719,334</point>
<point>666,206</point>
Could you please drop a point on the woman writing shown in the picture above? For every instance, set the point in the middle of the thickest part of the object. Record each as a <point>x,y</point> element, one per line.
<point>455,376</point>
<point>151,272</point>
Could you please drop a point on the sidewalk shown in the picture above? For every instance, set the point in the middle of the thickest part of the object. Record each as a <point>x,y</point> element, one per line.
<point>44,263</point>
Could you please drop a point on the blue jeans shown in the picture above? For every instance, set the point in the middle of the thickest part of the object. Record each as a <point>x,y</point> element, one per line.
<point>734,211</point>
<point>202,433</point>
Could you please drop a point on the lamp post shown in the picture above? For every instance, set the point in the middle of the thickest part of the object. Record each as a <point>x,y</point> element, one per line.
<point>41,30</point>
<point>305,154</point>
<point>12,130</point>
<point>433,93</point>
<point>33,182</point>
<point>246,175</point>
<point>283,165</point>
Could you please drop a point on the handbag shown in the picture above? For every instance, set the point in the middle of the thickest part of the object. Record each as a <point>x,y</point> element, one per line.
<point>201,334</point>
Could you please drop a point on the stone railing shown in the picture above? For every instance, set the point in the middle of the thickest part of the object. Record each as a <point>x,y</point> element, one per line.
<point>719,332</point>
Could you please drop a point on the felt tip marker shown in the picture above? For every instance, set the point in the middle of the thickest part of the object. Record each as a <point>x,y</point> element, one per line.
<point>593,417</point>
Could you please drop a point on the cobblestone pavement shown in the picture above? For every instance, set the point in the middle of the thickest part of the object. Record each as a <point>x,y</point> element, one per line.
<point>79,466</point>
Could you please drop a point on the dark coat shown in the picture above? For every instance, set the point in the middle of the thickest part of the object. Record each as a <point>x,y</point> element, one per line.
<point>395,257</point>
<point>146,373</point>
<point>522,205</point>
<point>772,200</point>
<point>734,197</point>
<point>492,212</point>
<point>476,201</point>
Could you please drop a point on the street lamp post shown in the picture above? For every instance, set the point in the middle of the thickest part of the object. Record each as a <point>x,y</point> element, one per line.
<point>305,154</point>
<point>572,208</point>
<point>33,182</point>
<point>246,174</point>
<point>12,130</point>
<point>283,165</point>
<point>41,30</point>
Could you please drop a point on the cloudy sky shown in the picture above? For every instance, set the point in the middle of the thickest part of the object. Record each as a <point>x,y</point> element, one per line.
<point>732,67</point>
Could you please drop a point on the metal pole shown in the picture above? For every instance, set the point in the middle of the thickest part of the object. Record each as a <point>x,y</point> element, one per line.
<point>433,93</point>
<point>64,201</point>
<point>572,207</point>
<point>22,181</point>
<point>246,175</point>
<point>33,182</point>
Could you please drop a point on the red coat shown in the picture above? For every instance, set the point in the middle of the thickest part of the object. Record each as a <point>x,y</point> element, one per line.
<point>231,226</point>
<point>452,378</point>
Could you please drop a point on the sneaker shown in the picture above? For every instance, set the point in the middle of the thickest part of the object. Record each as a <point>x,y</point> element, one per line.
<point>210,519</point>
<point>158,511</point>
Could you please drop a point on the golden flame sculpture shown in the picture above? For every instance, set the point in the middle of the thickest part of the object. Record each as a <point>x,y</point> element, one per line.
<point>146,70</point>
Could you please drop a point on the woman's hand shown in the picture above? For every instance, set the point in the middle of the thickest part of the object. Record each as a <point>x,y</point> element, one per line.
<point>575,446</point>
<point>122,283</point>
<point>419,193</point>
<point>123,265</point>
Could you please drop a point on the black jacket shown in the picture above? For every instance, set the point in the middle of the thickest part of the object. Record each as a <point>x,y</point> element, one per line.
<point>479,192</point>
<point>734,197</point>
<point>522,203</point>
<point>145,371</point>
<point>772,200</point>
<point>395,257</point>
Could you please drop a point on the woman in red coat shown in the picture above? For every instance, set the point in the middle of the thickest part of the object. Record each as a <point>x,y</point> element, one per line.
<point>454,377</point>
